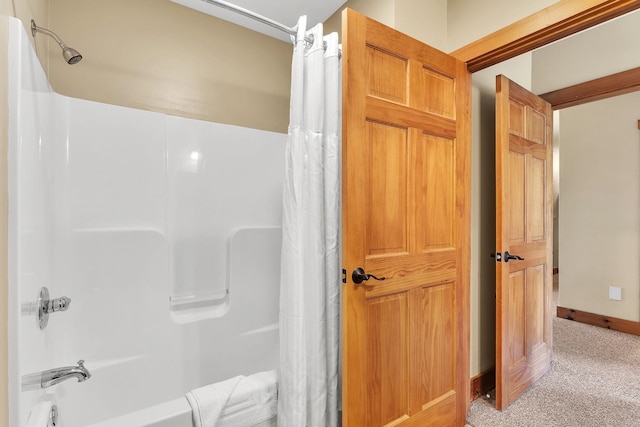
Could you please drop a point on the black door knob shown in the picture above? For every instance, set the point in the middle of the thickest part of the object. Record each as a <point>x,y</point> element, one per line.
<point>508,256</point>
<point>358,276</point>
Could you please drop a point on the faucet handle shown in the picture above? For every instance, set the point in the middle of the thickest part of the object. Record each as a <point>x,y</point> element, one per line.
<point>45,306</point>
<point>58,304</point>
<point>81,363</point>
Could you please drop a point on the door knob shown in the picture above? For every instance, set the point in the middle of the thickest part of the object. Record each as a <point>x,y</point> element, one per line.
<point>508,256</point>
<point>358,276</point>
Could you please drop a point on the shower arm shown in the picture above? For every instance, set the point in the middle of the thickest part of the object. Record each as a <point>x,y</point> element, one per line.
<point>35,29</point>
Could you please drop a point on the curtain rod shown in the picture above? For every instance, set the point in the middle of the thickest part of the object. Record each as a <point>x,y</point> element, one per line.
<point>259,18</point>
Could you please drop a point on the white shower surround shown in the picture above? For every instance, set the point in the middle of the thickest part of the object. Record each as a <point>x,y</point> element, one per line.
<point>105,202</point>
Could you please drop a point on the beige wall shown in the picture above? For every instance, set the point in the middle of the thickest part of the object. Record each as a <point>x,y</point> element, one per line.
<point>612,47</point>
<point>590,232</point>
<point>380,10</point>
<point>600,206</point>
<point>160,56</point>
<point>469,20</point>
<point>444,24</point>
<point>425,20</point>
<point>26,10</point>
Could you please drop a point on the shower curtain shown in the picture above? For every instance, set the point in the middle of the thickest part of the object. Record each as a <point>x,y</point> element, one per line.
<point>310,278</point>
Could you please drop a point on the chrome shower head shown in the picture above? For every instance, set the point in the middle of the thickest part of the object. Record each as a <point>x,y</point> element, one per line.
<point>71,56</point>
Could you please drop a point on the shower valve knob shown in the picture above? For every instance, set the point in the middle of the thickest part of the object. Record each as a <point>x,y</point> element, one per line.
<point>45,305</point>
<point>59,304</point>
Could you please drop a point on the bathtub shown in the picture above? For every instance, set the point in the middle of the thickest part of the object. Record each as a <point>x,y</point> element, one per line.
<point>165,234</point>
<point>175,413</point>
<point>178,413</point>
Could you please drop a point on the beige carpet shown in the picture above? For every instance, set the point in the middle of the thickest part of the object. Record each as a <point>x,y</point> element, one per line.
<point>594,380</point>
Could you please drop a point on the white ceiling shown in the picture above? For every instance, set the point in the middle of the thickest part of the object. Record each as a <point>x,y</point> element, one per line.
<point>283,11</point>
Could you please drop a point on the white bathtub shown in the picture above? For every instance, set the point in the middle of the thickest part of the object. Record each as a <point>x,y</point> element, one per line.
<point>163,231</point>
<point>175,413</point>
<point>242,411</point>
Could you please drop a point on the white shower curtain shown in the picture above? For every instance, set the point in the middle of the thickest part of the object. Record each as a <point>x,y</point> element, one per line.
<point>310,284</point>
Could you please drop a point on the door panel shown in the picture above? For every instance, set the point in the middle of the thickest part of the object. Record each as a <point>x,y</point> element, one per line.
<point>536,178</point>
<point>406,151</point>
<point>434,165</point>
<point>438,305</point>
<point>386,189</point>
<point>388,356</point>
<point>517,322</point>
<point>524,195</point>
<point>516,197</point>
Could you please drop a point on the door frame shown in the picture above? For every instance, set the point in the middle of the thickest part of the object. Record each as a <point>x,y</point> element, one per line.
<point>594,90</point>
<point>560,20</point>
<point>555,22</point>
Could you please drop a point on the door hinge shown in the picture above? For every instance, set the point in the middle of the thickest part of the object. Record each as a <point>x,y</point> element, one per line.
<point>344,276</point>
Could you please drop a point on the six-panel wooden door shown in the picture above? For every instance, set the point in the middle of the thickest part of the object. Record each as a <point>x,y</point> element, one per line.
<point>524,220</point>
<point>406,217</point>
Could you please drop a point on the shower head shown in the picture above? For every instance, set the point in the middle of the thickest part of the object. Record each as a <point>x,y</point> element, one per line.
<point>70,55</point>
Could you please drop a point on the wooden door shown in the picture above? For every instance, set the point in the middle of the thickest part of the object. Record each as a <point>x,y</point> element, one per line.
<point>406,204</point>
<point>524,222</point>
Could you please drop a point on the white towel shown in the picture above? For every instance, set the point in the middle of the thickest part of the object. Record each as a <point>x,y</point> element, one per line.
<point>238,402</point>
<point>208,402</point>
<point>39,415</point>
<point>254,401</point>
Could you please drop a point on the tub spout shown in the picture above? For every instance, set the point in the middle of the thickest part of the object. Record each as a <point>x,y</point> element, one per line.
<point>52,377</point>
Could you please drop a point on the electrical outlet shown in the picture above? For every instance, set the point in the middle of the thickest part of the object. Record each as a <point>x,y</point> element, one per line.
<point>615,293</point>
